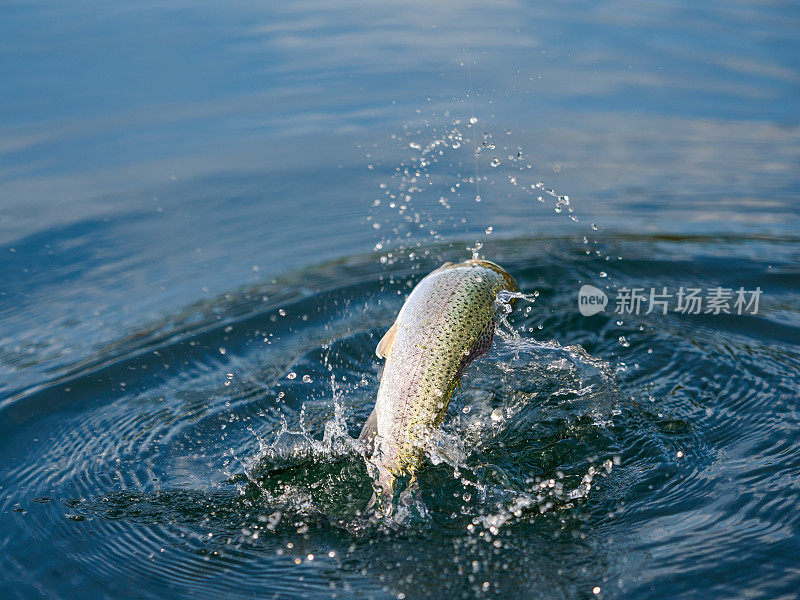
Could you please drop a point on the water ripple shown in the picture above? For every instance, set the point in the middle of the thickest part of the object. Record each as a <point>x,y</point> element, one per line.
<point>214,451</point>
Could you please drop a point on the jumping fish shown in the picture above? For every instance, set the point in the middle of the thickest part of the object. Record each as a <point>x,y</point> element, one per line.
<point>446,322</point>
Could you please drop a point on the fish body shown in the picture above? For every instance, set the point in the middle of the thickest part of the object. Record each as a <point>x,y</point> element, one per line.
<point>447,321</point>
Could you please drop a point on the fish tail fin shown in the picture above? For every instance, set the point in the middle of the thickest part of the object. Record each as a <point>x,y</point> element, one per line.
<point>395,501</point>
<point>410,502</point>
<point>383,488</point>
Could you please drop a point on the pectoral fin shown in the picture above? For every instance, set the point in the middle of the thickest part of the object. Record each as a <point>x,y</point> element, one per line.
<point>385,345</point>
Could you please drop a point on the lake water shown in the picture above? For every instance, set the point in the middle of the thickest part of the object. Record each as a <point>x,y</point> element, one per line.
<point>211,212</point>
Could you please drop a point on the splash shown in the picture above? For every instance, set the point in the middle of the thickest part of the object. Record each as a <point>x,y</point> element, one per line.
<point>451,183</point>
<point>519,392</point>
<point>286,470</point>
<point>545,496</point>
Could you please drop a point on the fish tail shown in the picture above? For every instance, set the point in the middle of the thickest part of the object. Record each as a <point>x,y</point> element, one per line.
<point>397,498</point>
<point>410,502</point>
<point>383,486</point>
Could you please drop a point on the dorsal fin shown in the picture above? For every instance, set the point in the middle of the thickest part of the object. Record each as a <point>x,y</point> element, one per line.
<point>385,345</point>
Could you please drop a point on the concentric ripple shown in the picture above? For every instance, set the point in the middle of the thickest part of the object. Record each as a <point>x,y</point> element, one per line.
<point>214,452</point>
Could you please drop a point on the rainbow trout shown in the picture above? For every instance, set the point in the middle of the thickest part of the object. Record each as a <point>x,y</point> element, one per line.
<point>446,322</point>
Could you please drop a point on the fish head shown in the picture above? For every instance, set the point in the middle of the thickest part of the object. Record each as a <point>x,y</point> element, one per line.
<point>511,284</point>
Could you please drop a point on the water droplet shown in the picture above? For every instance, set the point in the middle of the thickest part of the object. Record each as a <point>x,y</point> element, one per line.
<point>473,120</point>
<point>291,375</point>
<point>495,162</point>
<point>489,230</point>
<point>603,274</point>
<point>623,341</point>
<point>307,379</point>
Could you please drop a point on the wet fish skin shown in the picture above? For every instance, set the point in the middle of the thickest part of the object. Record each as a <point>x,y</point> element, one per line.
<point>447,321</point>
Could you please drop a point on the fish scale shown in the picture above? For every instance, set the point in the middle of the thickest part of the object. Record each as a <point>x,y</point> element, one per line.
<point>446,322</point>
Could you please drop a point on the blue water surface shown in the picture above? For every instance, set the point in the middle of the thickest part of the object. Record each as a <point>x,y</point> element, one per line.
<point>174,175</point>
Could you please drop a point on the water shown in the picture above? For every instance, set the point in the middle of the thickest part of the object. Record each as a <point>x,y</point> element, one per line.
<point>210,214</point>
